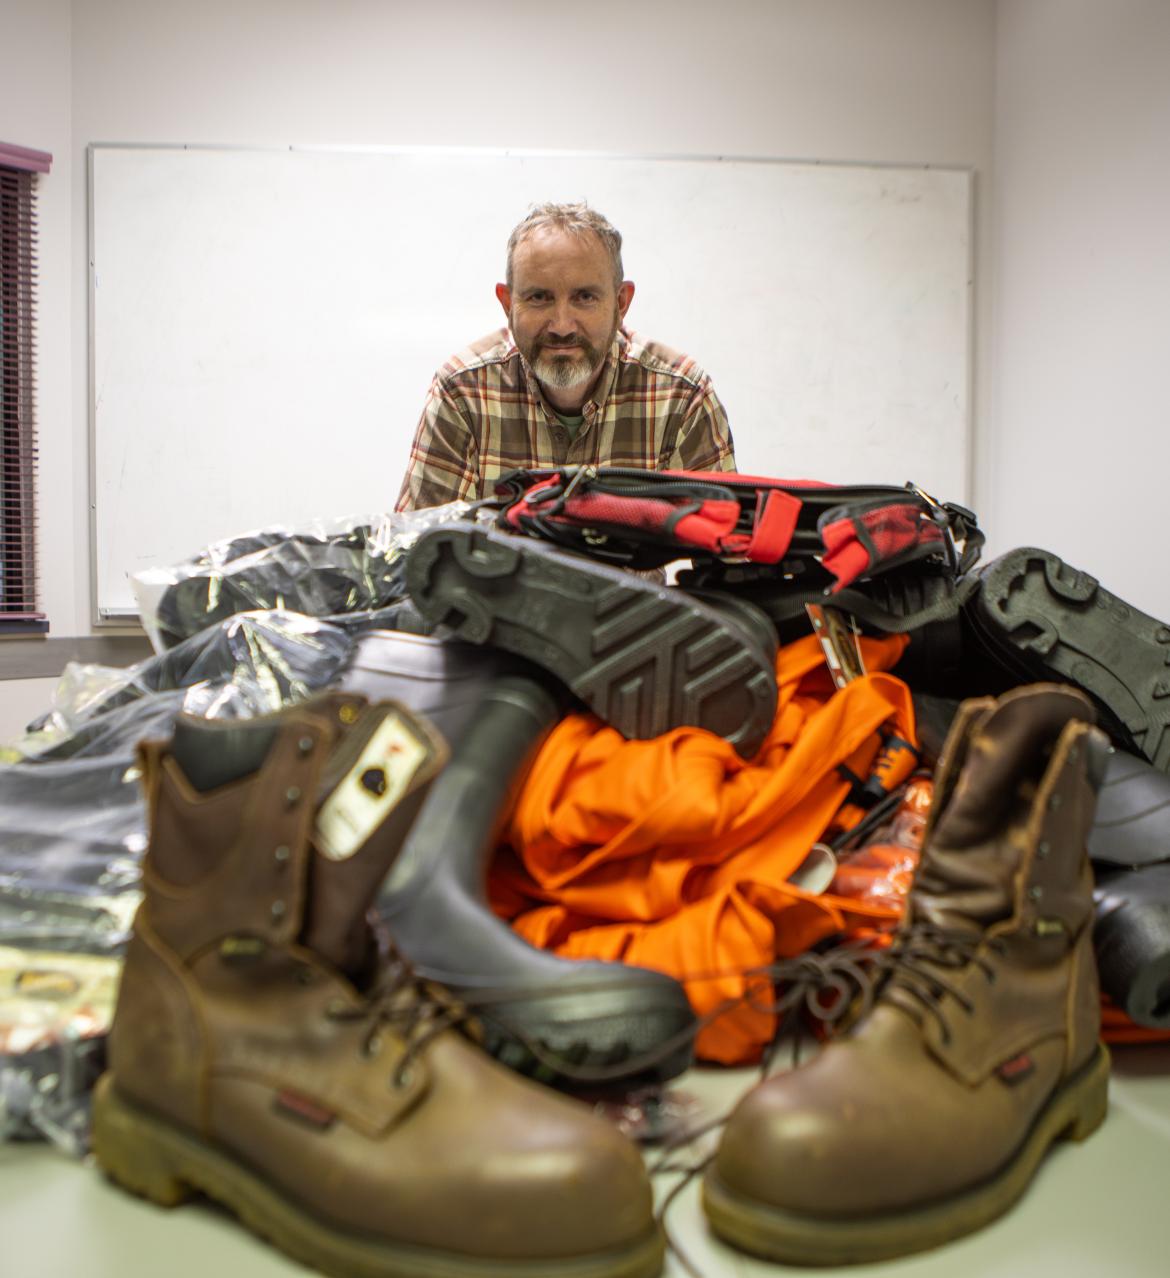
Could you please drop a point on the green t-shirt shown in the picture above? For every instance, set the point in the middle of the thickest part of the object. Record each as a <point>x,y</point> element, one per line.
<point>571,424</point>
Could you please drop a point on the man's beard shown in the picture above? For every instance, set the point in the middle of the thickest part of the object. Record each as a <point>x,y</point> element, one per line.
<point>563,371</point>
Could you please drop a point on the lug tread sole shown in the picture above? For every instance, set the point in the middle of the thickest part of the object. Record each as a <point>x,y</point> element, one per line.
<point>167,1166</point>
<point>1048,620</point>
<point>663,1038</point>
<point>1073,1113</point>
<point>644,658</point>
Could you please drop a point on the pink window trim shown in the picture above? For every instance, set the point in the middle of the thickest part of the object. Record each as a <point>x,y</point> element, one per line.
<point>23,157</point>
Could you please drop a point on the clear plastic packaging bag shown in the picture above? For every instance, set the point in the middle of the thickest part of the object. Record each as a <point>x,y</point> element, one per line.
<point>330,568</point>
<point>249,664</point>
<point>74,825</point>
<point>881,870</point>
<point>55,1011</point>
<point>73,835</point>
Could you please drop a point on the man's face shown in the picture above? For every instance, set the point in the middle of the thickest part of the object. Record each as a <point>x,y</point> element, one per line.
<point>563,307</point>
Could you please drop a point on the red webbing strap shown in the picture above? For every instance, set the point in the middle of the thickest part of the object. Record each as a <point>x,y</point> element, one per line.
<point>710,527</point>
<point>776,516</point>
<point>856,542</point>
<point>704,525</point>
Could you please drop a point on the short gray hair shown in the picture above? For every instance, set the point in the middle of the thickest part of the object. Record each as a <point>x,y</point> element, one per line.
<point>576,219</point>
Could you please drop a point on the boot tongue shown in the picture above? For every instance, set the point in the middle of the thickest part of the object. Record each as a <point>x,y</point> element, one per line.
<point>966,880</point>
<point>374,783</point>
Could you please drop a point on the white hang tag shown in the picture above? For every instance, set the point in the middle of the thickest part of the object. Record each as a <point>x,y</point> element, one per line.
<point>371,789</point>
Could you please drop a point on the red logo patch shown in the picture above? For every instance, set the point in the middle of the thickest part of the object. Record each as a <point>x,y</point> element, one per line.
<point>309,1112</point>
<point>1017,1069</point>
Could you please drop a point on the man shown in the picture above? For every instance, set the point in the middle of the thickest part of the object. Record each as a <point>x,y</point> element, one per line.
<point>565,382</point>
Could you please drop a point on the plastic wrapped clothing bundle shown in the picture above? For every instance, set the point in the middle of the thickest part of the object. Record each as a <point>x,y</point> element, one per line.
<point>332,568</point>
<point>55,1011</point>
<point>73,835</point>
<point>74,823</point>
<point>247,665</point>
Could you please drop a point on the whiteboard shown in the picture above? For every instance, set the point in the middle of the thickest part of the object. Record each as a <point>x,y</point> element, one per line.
<point>265,323</point>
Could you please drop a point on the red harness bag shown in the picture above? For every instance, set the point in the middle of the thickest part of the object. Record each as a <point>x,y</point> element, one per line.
<point>644,519</point>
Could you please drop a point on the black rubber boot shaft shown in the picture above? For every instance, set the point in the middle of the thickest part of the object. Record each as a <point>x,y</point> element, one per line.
<point>494,711</point>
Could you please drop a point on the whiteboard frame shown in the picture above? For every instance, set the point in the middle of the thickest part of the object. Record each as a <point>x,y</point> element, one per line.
<point>119,618</point>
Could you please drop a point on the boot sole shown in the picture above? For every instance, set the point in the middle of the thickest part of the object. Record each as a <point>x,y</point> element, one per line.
<point>645,1034</point>
<point>1074,1113</point>
<point>1045,619</point>
<point>157,1161</point>
<point>644,658</point>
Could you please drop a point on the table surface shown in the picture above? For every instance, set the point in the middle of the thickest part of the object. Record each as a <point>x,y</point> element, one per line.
<point>1097,1208</point>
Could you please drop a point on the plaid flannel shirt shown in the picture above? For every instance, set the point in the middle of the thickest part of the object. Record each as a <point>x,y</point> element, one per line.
<point>485,415</point>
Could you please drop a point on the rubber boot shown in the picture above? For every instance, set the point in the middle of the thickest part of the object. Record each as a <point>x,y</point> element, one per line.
<point>928,1118</point>
<point>644,657</point>
<point>267,1052</point>
<point>564,1020</point>
<point>1129,846</point>
<point>1040,618</point>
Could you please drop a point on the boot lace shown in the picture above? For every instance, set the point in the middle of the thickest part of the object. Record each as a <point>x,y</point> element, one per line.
<point>919,959</point>
<point>409,1009</point>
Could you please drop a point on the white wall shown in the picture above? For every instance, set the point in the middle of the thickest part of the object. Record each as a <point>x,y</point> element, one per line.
<point>1079,436</point>
<point>22,701</point>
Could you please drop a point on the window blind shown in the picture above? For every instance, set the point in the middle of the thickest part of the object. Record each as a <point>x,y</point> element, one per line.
<point>19,167</point>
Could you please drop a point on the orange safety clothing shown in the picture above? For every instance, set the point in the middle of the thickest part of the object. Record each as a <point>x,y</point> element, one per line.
<point>676,854</point>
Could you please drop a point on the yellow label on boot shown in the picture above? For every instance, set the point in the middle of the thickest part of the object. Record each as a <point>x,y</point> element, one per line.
<point>371,789</point>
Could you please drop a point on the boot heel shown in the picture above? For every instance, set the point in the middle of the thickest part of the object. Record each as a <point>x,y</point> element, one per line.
<point>1091,1101</point>
<point>130,1154</point>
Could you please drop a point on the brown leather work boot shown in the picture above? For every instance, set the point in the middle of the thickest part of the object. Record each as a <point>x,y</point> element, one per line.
<point>266,1053</point>
<point>929,1117</point>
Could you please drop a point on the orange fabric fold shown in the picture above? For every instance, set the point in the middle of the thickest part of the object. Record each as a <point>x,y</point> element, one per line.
<point>676,854</point>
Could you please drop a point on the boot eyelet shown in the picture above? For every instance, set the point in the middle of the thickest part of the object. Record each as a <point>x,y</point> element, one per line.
<point>305,745</point>
<point>402,1078</point>
<point>1035,892</point>
<point>292,795</point>
<point>372,1046</point>
<point>1043,848</point>
<point>278,909</point>
<point>1054,802</point>
<point>282,854</point>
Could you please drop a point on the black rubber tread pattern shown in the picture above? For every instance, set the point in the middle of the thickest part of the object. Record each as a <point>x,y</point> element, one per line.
<point>1044,619</point>
<point>623,1047</point>
<point>645,658</point>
